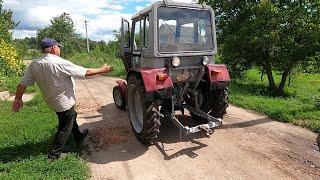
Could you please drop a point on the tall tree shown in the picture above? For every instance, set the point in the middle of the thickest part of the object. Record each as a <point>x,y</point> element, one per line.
<point>62,30</point>
<point>6,23</point>
<point>274,35</point>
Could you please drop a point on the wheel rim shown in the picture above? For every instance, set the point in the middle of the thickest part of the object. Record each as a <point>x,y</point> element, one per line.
<point>117,97</point>
<point>135,109</point>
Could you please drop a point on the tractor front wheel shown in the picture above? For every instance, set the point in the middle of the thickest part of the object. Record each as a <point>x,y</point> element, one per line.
<point>144,121</point>
<point>118,98</point>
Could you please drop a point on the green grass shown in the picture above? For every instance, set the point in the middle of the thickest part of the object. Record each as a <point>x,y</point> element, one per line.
<point>9,83</point>
<point>26,137</point>
<point>94,60</point>
<point>300,105</point>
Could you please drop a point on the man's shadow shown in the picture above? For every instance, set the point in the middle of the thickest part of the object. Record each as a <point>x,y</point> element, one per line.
<point>24,151</point>
<point>35,148</point>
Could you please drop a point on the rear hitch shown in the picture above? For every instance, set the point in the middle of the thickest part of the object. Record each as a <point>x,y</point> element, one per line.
<point>207,130</point>
<point>186,130</point>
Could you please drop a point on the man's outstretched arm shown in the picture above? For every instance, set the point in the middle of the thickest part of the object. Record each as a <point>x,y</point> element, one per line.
<point>18,103</point>
<point>101,70</point>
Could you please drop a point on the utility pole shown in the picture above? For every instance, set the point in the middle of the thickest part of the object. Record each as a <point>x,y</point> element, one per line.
<point>88,49</point>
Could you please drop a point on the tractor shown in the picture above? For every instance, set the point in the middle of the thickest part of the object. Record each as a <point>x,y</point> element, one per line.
<point>168,53</point>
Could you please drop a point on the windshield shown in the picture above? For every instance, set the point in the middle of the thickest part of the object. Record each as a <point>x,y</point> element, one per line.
<point>182,30</point>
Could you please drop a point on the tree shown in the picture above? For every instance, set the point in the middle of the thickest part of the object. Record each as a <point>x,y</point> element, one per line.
<point>273,35</point>
<point>62,30</point>
<point>6,23</point>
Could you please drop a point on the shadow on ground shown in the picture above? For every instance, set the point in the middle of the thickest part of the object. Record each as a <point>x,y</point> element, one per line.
<point>115,140</point>
<point>170,134</point>
<point>24,151</point>
<point>33,149</point>
<point>111,138</point>
<point>246,123</point>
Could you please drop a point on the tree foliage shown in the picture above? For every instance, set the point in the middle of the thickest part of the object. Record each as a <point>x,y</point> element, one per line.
<point>62,30</point>
<point>6,23</point>
<point>273,35</point>
<point>9,60</point>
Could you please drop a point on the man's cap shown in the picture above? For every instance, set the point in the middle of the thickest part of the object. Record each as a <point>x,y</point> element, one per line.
<point>49,42</point>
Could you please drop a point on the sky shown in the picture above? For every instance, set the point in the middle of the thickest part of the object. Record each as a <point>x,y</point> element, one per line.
<point>103,16</point>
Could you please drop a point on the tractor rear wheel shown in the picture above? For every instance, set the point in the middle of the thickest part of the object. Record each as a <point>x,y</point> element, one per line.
<point>144,121</point>
<point>213,102</point>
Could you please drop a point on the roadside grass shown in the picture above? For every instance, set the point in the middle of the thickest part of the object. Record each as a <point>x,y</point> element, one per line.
<point>95,60</point>
<point>26,137</point>
<point>10,83</point>
<point>300,104</point>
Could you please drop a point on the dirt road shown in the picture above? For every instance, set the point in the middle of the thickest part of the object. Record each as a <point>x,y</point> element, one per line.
<point>247,146</point>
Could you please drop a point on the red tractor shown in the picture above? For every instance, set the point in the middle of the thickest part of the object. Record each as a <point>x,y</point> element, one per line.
<point>168,54</point>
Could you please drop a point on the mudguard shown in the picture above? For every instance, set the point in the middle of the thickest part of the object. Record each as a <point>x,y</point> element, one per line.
<point>151,79</point>
<point>218,73</point>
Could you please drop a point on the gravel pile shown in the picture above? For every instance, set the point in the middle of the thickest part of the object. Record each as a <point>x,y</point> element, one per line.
<point>86,105</point>
<point>102,138</point>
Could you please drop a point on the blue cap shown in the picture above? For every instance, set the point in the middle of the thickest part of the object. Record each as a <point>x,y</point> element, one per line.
<point>48,42</point>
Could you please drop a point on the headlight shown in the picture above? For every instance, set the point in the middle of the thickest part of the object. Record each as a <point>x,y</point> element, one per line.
<point>205,60</point>
<point>175,61</point>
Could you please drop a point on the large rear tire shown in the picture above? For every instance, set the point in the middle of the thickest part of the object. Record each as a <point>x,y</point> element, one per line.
<point>145,122</point>
<point>213,103</point>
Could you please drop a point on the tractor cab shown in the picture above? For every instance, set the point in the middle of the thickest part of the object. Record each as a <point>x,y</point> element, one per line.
<point>163,31</point>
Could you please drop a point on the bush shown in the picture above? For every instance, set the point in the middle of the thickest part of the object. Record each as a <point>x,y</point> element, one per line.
<point>9,61</point>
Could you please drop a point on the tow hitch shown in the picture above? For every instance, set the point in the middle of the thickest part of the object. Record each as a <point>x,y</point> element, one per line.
<point>207,128</point>
<point>186,130</point>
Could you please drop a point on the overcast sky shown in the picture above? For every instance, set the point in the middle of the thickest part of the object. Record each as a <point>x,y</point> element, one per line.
<point>36,14</point>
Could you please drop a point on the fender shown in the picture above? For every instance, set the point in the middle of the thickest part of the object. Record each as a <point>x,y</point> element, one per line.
<point>123,87</point>
<point>217,73</point>
<point>155,79</point>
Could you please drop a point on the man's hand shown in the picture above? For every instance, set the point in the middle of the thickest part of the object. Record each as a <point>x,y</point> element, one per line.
<point>106,69</point>
<point>17,105</point>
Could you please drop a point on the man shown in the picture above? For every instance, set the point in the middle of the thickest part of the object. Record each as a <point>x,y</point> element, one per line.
<point>54,76</point>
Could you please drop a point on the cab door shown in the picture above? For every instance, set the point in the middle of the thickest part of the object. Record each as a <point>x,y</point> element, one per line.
<point>125,50</point>
<point>136,44</point>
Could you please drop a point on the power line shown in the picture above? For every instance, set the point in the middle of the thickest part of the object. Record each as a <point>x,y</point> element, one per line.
<point>108,7</point>
<point>86,22</point>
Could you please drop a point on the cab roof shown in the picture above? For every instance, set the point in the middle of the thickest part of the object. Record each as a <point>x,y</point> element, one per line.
<point>169,3</point>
